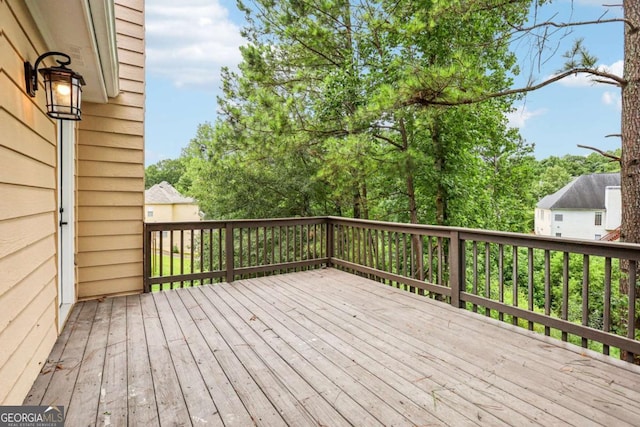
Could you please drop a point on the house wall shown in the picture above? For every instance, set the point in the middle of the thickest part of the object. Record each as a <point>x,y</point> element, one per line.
<point>28,284</point>
<point>542,222</point>
<point>578,224</point>
<point>613,203</point>
<point>110,192</point>
<point>173,213</point>
<point>186,212</point>
<point>161,213</point>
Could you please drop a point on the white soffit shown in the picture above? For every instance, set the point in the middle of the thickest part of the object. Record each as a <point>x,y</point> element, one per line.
<point>84,30</point>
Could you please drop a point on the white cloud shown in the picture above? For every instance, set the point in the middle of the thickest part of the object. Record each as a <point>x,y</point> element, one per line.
<point>189,41</point>
<point>612,98</point>
<point>582,80</point>
<point>519,117</point>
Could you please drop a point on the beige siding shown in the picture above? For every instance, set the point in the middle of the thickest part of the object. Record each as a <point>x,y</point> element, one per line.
<point>111,172</point>
<point>27,211</point>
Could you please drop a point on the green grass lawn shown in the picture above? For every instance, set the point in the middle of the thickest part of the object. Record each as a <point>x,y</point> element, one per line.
<point>185,268</point>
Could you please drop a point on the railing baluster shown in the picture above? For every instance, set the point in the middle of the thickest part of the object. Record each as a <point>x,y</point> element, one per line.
<point>191,250</point>
<point>487,276</point>
<point>530,287</point>
<point>171,256</point>
<point>547,288</point>
<point>631,318</point>
<point>474,289</point>
<point>606,312</point>
<point>430,257</point>
<point>440,261</point>
<point>565,291</point>
<point>161,253</point>
<point>585,296</point>
<point>514,319</point>
<point>501,278</point>
<point>182,256</point>
<point>220,250</point>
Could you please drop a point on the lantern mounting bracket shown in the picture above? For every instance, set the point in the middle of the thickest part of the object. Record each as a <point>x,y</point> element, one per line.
<point>31,73</point>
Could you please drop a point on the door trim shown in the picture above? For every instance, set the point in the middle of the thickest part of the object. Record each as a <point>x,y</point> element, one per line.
<point>66,219</point>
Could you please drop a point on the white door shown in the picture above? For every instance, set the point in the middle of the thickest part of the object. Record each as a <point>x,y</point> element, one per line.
<point>66,269</point>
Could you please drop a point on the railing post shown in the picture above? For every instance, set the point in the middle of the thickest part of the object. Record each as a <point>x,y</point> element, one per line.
<point>329,241</point>
<point>456,268</point>
<point>229,251</point>
<point>146,258</point>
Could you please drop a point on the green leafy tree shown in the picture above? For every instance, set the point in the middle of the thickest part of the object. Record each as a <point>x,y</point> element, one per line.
<point>170,170</point>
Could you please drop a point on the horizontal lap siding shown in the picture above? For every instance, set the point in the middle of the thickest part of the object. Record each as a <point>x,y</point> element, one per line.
<point>110,187</point>
<point>27,211</point>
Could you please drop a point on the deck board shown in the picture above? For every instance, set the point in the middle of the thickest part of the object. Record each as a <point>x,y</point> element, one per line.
<point>320,347</point>
<point>603,401</point>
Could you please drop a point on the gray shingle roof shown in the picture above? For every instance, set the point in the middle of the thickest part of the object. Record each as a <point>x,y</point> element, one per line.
<point>164,193</point>
<point>584,192</point>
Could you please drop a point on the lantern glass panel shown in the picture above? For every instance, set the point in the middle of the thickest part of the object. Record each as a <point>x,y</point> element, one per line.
<point>64,91</point>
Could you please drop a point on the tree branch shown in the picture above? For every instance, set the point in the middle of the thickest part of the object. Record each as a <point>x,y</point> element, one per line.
<point>605,154</point>
<point>430,97</point>
<point>389,140</point>
<point>632,27</point>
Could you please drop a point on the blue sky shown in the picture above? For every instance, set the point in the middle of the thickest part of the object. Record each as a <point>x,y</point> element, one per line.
<point>189,41</point>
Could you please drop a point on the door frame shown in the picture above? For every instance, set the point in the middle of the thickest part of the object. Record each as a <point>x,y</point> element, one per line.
<point>65,202</point>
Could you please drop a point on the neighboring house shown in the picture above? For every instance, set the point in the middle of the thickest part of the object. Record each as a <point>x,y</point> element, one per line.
<point>71,193</point>
<point>589,207</point>
<point>163,203</point>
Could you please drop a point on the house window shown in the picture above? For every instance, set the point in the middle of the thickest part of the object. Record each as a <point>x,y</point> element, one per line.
<point>558,234</point>
<point>558,218</point>
<point>598,236</point>
<point>598,218</point>
<point>149,212</point>
<point>165,234</point>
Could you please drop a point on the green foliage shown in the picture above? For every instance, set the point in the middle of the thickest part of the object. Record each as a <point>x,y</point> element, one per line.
<point>316,122</point>
<point>170,170</point>
<point>555,172</point>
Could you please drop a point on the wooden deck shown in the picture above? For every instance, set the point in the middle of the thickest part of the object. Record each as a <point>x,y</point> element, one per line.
<point>322,348</point>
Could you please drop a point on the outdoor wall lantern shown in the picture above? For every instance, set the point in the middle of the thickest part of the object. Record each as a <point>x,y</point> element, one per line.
<point>62,85</point>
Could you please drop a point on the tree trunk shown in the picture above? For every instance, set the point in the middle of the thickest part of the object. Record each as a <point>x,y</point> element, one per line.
<point>416,241</point>
<point>630,165</point>
<point>440,164</point>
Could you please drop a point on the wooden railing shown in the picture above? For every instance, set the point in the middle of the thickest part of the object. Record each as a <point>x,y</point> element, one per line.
<point>179,254</point>
<point>577,291</point>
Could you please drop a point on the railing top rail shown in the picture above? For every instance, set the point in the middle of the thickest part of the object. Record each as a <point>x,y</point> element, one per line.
<point>588,247</point>
<point>237,223</point>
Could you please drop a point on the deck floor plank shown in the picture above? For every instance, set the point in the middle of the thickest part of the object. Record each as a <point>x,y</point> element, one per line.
<point>351,368</point>
<point>230,407</point>
<point>336,386</point>
<point>437,372</point>
<point>141,399</point>
<point>83,400</point>
<point>170,400</point>
<point>320,347</point>
<point>304,406</point>
<point>63,381</point>
<point>200,405</point>
<point>113,408</point>
<point>260,408</point>
<point>427,348</point>
<point>603,399</point>
<point>46,373</point>
<point>599,368</point>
